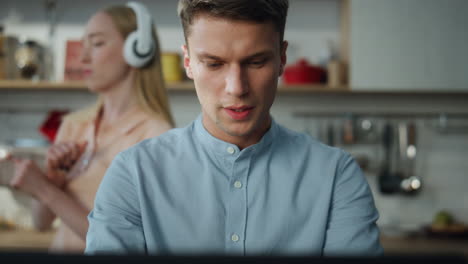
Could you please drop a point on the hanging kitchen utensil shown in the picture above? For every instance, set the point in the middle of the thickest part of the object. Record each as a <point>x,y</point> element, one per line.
<point>330,135</point>
<point>389,183</point>
<point>366,131</point>
<point>411,183</point>
<point>348,132</point>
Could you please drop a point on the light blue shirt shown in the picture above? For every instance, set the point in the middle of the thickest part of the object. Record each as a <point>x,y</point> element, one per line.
<point>187,192</point>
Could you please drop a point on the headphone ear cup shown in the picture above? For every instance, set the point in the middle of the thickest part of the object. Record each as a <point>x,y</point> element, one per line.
<point>131,54</point>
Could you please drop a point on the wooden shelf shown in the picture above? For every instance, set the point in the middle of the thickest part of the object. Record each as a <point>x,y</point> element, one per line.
<point>41,85</point>
<point>188,86</point>
<point>302,88</point>
<point>312,88</point>
<point>45,85</point>
<point>182,86</point>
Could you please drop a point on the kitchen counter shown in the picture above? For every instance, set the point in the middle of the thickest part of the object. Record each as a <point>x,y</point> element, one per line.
<point>25,240</point>
<point>395,245</point>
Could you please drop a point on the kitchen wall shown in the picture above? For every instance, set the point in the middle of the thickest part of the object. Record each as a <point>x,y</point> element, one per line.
<point>402,44</point>
<point>442,158</point>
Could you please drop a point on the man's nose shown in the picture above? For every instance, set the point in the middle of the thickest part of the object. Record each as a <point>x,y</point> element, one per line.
<point>236,81</point>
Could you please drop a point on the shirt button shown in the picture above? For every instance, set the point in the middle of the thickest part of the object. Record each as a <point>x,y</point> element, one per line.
<point>235,238</point>
<point>231,150</point>
<point>238,184</point>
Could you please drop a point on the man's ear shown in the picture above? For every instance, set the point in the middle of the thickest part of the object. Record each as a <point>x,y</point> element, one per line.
<point>284,47</point>
<point>188,69</point>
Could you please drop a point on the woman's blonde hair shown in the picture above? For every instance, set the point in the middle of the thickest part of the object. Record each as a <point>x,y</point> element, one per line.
<point>149,83</point>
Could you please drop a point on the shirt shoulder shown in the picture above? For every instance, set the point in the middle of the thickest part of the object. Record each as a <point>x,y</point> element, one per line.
<point>299,141</point>
<point>304,147</point>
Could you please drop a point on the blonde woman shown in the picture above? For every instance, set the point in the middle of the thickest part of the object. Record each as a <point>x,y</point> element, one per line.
<point>132,106</point>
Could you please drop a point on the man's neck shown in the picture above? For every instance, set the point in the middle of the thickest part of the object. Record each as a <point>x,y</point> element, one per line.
<point>241,141</point>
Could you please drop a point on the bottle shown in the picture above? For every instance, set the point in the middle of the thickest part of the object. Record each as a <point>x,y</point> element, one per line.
<point>171,66</point>
<point>335,73</point>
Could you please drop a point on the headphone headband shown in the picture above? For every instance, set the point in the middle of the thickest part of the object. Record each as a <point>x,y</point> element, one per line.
<point>139,46</point>
<point>144,23</point>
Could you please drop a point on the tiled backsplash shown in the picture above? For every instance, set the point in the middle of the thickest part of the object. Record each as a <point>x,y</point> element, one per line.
<point>442,160</point>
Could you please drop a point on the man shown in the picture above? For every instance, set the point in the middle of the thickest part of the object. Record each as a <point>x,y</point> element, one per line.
<point>234,182</point>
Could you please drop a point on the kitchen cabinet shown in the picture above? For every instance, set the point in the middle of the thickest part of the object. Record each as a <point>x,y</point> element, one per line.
<point>394,245</point>
<point>408,45</point>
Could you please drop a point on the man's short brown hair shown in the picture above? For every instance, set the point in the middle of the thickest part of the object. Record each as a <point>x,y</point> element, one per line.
<point>259,11</point>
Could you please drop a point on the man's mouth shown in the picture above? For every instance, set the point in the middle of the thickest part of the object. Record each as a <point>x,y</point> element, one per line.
<point>239,113</point>
<point>237,110</point>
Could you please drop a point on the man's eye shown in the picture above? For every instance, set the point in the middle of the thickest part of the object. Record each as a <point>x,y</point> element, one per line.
<point>257,63</point>
<point>213,65</point>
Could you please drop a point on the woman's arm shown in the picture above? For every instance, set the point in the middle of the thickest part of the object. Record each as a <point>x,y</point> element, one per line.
<point>54,201</point>
<point>60,158</point>
<point>43,217</point>
<point>59,203</point>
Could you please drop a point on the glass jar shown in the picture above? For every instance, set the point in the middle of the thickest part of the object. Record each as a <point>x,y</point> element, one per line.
<point>28,57</point>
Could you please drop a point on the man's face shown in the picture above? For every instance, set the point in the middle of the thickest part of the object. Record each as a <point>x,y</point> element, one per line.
<point>235,66</point>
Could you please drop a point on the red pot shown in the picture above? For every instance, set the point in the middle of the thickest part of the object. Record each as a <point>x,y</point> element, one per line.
<point>302,72</point>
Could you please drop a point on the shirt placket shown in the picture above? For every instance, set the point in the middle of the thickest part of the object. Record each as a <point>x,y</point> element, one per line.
<point>237,203</point>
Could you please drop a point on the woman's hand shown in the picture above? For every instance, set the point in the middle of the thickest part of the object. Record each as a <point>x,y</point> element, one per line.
<point>28,177</point>
<point>60,159</point>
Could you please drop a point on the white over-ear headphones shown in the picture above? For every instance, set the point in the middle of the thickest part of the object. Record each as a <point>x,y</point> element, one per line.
<point>139,47</point>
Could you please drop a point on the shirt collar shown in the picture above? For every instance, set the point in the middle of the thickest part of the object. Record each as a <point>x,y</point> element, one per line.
<point>223,148</point>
